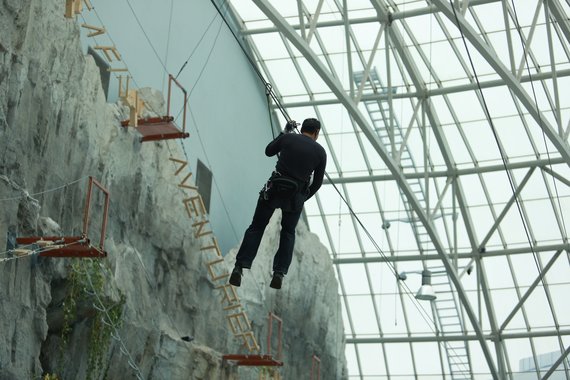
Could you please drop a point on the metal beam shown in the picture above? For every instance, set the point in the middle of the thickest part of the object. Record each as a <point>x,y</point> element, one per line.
<point>531,289</point>
<point>528,42</point>
<point>339,92</point>
<point>315,19</point>
<point>348,45</point>
<point>543,163</point>
<point>460,337</point>
<point>411,67</point>
<point>507,207</point>
<point>514,84</point>
<point>559,177</point>
<point>560,16</point>
<point>365,20</point>
<point>556,364</point>
<point>375,142</point>
<point>435,92</point>
<point>502,252</point>
<point>556,109</point>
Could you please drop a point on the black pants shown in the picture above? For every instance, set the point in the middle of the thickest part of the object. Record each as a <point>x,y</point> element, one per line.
<point>254,233</point>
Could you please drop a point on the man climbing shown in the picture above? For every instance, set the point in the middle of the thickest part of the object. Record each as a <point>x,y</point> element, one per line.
<point>288,188</point>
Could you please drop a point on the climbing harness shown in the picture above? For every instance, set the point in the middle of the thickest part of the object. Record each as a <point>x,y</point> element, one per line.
<point>282,187</point>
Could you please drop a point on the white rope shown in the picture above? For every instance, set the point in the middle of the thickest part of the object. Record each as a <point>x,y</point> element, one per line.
<point>36,251</point>
<point>31,253</point>
<point>27,195</point>
<point>11,251</point>
<point>115,333</point>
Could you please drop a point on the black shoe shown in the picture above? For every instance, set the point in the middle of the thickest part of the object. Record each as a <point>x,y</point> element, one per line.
<point>235,278</point>
<point>277,280</point>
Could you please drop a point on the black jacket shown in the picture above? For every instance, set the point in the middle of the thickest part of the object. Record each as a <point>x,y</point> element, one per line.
<point>299,156</point>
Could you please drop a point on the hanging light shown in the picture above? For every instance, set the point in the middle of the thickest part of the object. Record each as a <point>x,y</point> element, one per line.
<point>426,292</point>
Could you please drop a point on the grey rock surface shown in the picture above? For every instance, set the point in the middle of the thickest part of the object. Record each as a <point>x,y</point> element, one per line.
<point>56,129</point>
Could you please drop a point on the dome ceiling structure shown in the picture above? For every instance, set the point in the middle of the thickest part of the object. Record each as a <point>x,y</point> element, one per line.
<point>446,125</point>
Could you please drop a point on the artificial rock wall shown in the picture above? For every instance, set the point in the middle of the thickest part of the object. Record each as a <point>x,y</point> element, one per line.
<point>56,129</point>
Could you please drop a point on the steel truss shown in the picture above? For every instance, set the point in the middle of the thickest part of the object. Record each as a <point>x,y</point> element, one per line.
<point>436,190</point>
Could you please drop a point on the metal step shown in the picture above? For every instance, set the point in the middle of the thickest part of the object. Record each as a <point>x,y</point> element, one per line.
<point>391,135</point>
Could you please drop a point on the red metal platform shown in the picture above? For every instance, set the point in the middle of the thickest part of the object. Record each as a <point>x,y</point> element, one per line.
<point>63,246</point>
<point>266,360</point>
<point>74,246</point>
<point>162,128</point>
<point>253,360</point>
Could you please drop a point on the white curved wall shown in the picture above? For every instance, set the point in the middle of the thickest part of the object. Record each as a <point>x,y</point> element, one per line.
<point>227,99</point>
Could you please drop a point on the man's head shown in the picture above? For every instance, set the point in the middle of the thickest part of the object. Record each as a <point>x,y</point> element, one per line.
<point>311,127</point>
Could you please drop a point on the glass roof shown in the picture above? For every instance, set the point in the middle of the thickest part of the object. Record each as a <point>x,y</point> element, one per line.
<point>446,124</point>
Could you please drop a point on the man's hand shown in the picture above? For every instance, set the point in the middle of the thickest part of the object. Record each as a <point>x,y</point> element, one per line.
<point>290,126</point>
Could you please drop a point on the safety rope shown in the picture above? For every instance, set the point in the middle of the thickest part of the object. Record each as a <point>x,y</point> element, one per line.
<point>253,65</point>
<point>192,114</point>
<point>168,41</point>
<point>541,122</point>
<point>271,94</point>
<point>542,279</point>
<point>193,87</point>
<point>267,85</point>
<point>268,95</point>
<point>35,251</point>
<point>502,153</point>
<point>215,184</point>
<point>29,196</point>
<point>283,111</point>
<point>206,62</point>
<point>210,166</point>
<point>425,315</point>
<point>100,305</point>
<point>211,50</point>
<point>25,194</point>
<point>10,252</point>
<point>147,37</point>
<point>108,34</point>
<point>199,42</point>
<point>6,259</point>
